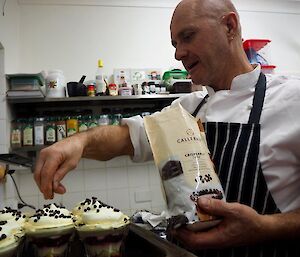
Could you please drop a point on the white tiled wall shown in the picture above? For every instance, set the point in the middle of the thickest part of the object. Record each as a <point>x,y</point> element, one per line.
<point>118,182</point>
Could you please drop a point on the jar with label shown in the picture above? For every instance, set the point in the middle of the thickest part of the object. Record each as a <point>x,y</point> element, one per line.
<point>50,131</point>
<point>91,90</point>
<point>55,84</point>
<point>39,131</point>
<point>103,120</point>
<point>28,132</point>
<point>93,122</point>
<point>82,123</point>
<point>116,119</point>
<point>60,128</point>
<point>16,133</point>
<point>72,125</point>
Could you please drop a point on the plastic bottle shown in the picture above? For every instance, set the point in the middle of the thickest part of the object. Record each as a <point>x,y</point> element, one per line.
<point>99,79</point>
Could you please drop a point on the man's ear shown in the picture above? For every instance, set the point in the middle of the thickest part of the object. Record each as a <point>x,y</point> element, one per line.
<point>231,22</point>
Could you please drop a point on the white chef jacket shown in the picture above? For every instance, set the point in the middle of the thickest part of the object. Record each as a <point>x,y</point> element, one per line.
<point>279,153</point>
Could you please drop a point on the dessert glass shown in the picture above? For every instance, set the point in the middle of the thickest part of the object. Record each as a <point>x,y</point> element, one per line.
<point>11,232</point>
<point>49,231</point>
<point>101,228</point>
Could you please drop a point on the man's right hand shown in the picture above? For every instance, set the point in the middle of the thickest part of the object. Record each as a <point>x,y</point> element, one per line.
<point>55,161</point>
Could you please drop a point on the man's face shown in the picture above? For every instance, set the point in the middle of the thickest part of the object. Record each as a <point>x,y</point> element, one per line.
<point>198,42</point>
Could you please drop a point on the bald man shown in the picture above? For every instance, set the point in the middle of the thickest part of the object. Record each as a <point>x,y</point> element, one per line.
<point>253,133</point>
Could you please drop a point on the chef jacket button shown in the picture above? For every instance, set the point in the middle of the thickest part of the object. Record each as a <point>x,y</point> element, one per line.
<point>249,107</point>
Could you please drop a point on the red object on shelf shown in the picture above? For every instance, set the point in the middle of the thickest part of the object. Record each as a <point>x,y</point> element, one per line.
<point>268,67</point>
<point>255,44</point>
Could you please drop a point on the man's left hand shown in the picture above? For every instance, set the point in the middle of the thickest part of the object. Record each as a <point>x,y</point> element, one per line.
<point>240,225</point>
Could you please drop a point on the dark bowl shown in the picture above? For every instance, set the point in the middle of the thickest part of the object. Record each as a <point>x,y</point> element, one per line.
<point>76,89</point>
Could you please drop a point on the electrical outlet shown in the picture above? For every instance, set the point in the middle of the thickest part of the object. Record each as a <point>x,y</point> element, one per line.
<point>142,196</point>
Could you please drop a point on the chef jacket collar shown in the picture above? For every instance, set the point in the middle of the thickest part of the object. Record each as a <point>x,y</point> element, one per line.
<point>241,82</point>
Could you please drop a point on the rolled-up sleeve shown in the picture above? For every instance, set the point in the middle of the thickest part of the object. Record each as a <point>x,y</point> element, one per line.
<point>142,149</point>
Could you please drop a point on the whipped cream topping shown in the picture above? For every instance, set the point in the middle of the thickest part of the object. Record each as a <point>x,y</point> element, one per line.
<point>10,232</point>
<point>95,214</point>
<point>8,213</point>
<point>51,216</point>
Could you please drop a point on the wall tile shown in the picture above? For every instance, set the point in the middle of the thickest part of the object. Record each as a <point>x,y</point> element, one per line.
<point>117,162</point>
<point>117,178</point>
<point>131,163</point>
<point>9,187</point>
<point>3,148</point>
<point>154,176</point>
<point>93,164</point>
<point>136,206</point>
<point>20,169</point>
<point>80,164</point>
<point>11,202</point>
<point>69,200</point>
<point>27,185</point>
<point>3,136</point>
<point>2,197</point>
<point>157,197</point>
<point>32,200</point>
<point>100,194</point>
<point>118,198</point>
<point>74,181</point>
<point>95,179</point>
<point>138,176</point>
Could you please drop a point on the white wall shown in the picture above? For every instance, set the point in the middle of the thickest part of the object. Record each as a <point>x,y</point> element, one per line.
<point>10,34</point>
<point>73,34</point>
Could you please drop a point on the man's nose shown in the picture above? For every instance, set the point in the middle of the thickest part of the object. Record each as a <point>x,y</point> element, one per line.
<point>180,53</point>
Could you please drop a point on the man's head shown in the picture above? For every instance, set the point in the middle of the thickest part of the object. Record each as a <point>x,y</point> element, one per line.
<point>207,37</point>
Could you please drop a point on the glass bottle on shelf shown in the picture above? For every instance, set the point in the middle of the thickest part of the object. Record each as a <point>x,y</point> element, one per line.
<point>72,125</point>
<point>28,132</point>
<point>93,122</point>
<point>82,123</point>
<point>16,133</point>
<point>39,131</point>
<point>61,128</point>
<point>50,131</point>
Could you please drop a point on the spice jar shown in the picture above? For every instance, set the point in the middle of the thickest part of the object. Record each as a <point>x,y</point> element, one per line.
<point>28,132</point>
<point>91,90</point>
<point>116,119</point>
<point>93,122</point>
<point>16,133</point>
<point>72,125</point>
<point>82,123</point>
<point>50,131</point>
<point>39,129</point>
<point>60,128</point>
<point>103,120</point>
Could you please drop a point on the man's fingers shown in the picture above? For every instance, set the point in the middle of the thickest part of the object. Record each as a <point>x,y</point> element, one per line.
<point>59,189</point>
<point>216,207</point>
<point>58,176</point>
<point>46,178</point>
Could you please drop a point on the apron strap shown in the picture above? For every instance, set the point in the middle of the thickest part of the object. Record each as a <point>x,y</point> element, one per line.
<point>258,100</point>
<point>203,101</point>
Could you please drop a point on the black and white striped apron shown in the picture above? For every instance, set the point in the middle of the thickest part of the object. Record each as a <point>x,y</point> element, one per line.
<point>234,149</point>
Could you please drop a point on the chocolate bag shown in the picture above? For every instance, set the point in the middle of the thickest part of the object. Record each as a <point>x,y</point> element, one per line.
<point>181,154</point>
